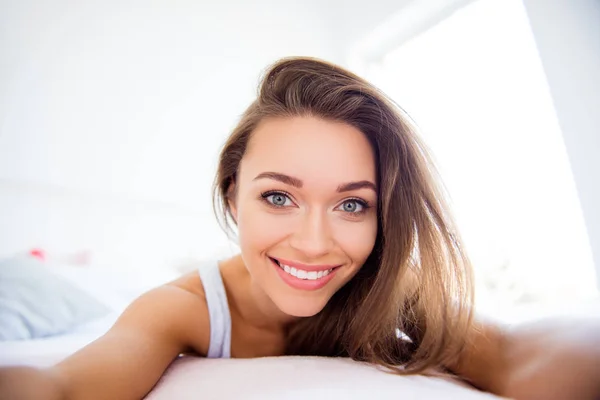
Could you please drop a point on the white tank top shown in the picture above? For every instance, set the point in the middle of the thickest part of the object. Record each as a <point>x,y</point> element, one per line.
<point>218,311</point>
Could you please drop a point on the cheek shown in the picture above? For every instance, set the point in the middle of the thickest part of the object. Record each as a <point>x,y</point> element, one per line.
<point>258,230</point>
<point>357,239</point>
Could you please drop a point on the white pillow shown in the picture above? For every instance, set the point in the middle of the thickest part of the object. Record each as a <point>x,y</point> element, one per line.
<point>299,378</point>
<point>36,303</point>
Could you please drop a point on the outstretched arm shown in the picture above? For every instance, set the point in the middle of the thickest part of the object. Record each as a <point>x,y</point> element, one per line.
<point>128,360</point>
<point>549,359</point>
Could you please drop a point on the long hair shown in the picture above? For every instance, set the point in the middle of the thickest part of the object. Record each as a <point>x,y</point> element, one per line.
<point>409,306</point>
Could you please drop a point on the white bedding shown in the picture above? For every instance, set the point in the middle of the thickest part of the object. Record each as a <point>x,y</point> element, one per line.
<point>260,378</point>
<point>48,351</point>
<point>115,289</point>
<point>299,378</point>
<point>112,287</point>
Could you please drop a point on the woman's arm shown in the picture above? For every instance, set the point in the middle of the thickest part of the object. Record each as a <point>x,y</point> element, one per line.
<point>128,360</point>
<point>549,359</point>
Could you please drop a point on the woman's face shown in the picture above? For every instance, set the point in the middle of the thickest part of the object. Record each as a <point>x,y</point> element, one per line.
<point>305,209</point>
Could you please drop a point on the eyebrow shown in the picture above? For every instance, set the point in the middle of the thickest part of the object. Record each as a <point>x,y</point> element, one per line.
<point>290,180</point>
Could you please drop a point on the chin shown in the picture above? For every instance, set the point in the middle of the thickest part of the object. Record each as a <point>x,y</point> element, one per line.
<point>301,308</point>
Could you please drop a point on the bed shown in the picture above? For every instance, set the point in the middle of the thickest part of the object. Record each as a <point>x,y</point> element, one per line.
<point>262,378</point>
<point>51,309</point>
<point>48,351</point>
<point>192,377</point>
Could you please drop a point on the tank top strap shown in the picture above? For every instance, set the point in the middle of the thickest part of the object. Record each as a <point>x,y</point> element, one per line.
<point>218,311</point>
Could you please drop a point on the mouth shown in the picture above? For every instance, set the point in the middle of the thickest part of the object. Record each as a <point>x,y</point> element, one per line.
<point>313,277</point>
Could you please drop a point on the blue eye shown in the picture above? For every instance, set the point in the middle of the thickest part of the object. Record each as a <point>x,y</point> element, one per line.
<point>354,206</point>
<point>277,199</point>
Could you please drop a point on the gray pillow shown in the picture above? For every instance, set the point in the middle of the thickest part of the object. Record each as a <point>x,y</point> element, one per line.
<point>35,303</point>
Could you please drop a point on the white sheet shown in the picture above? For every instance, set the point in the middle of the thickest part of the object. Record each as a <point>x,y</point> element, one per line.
<point>48,351</point>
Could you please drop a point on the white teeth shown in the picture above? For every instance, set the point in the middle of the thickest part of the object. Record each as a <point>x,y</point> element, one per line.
<point>306,275</point>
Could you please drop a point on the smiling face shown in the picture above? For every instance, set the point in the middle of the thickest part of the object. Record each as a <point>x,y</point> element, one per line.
<point>305,208</point>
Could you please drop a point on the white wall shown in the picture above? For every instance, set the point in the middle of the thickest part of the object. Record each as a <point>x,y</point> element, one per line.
<point>112,112</point>
<point>134,97</point>
<point>567,34</point>
<point>354,20</point>
<point>365,33</point>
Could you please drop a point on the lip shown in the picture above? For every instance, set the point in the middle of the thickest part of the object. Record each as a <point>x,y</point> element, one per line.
<point>302,284</point>
<point>305,267</point>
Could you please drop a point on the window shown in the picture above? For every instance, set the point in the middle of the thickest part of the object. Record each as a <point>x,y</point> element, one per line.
<point>475,86</point>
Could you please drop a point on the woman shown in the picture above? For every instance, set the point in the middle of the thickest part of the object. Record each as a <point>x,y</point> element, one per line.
<point>347,249</point>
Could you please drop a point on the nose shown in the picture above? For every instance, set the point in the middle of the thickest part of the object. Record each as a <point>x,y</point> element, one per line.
<point>313,237</point>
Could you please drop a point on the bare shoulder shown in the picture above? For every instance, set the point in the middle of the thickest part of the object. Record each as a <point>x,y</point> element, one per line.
<point>193,310</point>
<point>192,284</point>
<point>175,310</point>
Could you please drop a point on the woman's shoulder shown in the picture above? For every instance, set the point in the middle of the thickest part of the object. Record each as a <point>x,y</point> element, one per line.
<point>199,275</point>
<point>188,301</point>
<point>190,283</point>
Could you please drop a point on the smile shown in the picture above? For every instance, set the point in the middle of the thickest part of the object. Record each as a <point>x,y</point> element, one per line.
<point>304,277</point>
<point>302,274</point>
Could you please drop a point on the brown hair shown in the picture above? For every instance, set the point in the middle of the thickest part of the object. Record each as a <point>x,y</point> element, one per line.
<point>410,303</point>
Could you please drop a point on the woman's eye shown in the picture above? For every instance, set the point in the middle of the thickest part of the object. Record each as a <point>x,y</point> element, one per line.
<point>352,206</point>
<point>279,200</point>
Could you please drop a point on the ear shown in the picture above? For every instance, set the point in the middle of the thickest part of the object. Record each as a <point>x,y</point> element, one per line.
<point>231,200</point>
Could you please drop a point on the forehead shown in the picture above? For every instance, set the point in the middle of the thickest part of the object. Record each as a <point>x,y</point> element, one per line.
<point>314,150</point>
